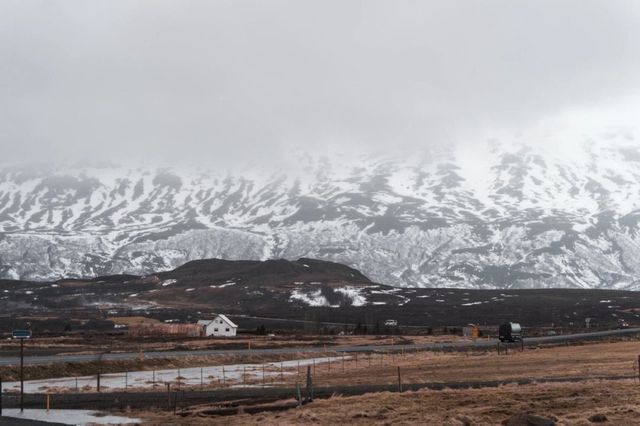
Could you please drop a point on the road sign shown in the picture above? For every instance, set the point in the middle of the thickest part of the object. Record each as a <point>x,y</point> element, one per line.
<point>21,334</point>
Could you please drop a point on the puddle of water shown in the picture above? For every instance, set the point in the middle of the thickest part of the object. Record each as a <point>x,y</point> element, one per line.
<point>70,417</point>
<point>233,374</point>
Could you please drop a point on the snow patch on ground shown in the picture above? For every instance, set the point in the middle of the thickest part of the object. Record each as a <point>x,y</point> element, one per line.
<point>405,299</point>
<point>353,293</point>
<point>69,417</point>
<point>314,298</point>
<point>222,285</point>
<point>474,303</point>
<point>168,282</point>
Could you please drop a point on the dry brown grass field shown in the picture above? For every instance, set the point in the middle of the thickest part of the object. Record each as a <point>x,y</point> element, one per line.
<point>109,344</point>
<point>595,360</point>
<point>97,343</point>
<point>566,403</point>
<point>587,380</point>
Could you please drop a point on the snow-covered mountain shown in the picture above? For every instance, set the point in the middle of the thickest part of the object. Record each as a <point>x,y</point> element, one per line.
<point>470,216</point>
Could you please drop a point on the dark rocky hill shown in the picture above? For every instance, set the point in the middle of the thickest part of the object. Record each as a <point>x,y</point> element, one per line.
<point>307,291</point>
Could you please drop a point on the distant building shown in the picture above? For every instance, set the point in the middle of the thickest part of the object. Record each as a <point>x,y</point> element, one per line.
<point>219,326</point>
<point>472,330</point>
<point>161,329</point>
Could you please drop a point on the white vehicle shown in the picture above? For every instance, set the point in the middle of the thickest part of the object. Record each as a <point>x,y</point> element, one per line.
<point>391,323</point>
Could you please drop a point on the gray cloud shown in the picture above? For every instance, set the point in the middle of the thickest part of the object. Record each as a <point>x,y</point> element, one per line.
<point>222,80</point>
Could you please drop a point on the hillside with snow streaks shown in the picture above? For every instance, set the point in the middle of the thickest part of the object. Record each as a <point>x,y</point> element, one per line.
<point>496,216</point>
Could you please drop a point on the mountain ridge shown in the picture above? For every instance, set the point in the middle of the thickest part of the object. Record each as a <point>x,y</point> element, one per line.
<point>500,216</point>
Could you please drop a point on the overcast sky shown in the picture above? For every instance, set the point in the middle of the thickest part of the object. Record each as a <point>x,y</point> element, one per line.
<point>221,80</point>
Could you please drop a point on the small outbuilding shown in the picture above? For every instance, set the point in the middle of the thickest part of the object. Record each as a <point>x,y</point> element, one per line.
<point>219,326</point>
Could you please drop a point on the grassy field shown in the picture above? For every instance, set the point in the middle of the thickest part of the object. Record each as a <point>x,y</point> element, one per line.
<point>571,384</point>
<point>101,343</point>
<point>112,344</point>
<point>578,361</point>
<point>566,403</point>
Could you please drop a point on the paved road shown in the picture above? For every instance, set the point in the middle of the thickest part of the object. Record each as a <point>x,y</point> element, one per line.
<point>531,341</point>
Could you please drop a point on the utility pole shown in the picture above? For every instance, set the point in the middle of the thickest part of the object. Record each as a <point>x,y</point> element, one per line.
<point>22,375</point>
<point>21,334</point>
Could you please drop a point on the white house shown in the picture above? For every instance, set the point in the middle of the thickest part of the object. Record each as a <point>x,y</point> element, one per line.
<point>219,326</point>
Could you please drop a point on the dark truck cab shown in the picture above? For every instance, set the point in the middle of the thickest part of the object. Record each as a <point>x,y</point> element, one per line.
<point>510,332</point>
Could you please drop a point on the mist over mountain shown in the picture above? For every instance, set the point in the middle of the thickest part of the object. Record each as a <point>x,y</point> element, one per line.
<point>495,215</point>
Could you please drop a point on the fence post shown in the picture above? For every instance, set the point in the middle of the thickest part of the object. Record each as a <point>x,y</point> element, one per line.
<point>356,359</point>
<point>154,378</point>
<point>224,376</point>
<point>343,362</point>
<point>126,380</point>
<point>298,395</point>
<point>48,402</point>
<point>309,385</point>
<point>399,380</point>
<point>262,375</point>
<point>0,396</point>
<point>281,372</point>
<point>638,368</point>
<point>98,384</point>
<point>169,396</point>
<point>76,384</point>
<point>244,375</point>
